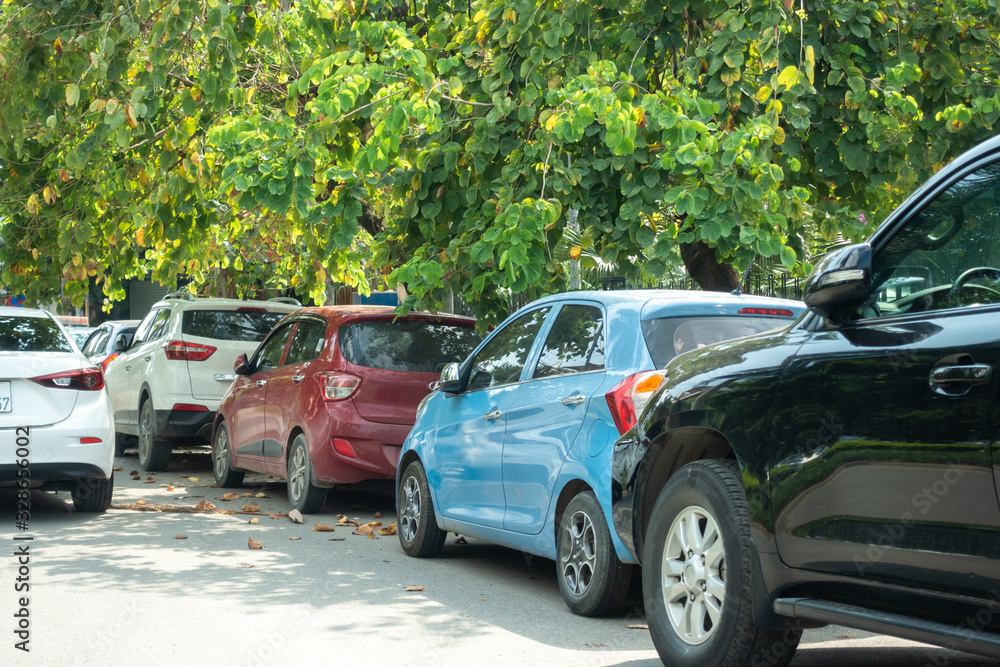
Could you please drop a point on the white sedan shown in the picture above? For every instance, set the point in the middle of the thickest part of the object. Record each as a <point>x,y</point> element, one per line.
<point>57,429</point>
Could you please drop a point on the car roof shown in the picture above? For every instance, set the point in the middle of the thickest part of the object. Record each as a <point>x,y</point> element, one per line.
<point>16,311</point>
<point>210,302</point>
<point>656,303</point>
<point>351,312</point>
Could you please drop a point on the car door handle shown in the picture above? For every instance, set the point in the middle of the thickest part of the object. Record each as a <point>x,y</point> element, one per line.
<point>956,380</point>
<point>298,378</point>
<point>575,399</point>
<point>148,357</point>
<point>128,368</point>
<point>491,416</point>
<point>261,383</point>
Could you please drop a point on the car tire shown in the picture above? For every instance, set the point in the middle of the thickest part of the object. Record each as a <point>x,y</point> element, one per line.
<point>222,460</point>
<point>303,495</point>
<point>418,531</point>
<point>153,455</point>
<point>123,442</point>
<point>93,495</point>
<point>696,574</point>
<point>592,580</point>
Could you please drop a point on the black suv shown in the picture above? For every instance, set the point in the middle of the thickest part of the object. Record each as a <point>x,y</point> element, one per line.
<point>842,469</point>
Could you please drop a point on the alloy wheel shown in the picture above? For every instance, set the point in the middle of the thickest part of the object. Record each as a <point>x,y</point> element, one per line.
<point>410,516</point>
<point>221,453</point>
<point>578,553</point>
<point>297,474</point>
<point>145,433</point>
<point>694,575</point>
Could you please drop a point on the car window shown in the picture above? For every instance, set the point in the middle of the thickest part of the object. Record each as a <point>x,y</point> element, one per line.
<point>269,354</point>
<point>947,255</point>
<point>159,324</point>
<point>502,359</point>
<point>307,342</point>
<point>96,342</point>
<point>666,337</point>
<point>142,332</point>
<point>575,343</point>
<point>32,334</point>
<point>416,346</point>
<point>246,324</point>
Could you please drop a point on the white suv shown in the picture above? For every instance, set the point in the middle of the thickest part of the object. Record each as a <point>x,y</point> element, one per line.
<point>168,384</point>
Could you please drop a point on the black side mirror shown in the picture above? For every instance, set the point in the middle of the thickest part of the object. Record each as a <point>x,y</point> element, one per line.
<point>841,282</point>
<point>242,365</point>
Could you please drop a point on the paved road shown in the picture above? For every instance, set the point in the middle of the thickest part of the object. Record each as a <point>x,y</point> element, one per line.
<point>120,588</point>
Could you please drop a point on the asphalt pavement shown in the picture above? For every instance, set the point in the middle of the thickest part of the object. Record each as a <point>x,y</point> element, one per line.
<point>150,583</point>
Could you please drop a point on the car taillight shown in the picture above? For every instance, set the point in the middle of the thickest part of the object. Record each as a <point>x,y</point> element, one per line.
<point>111,357</point>
<point>630,396</point>
<point>337,386</point>
<point>781,312</point>
<point>181,351</point>
<point>86,379</point>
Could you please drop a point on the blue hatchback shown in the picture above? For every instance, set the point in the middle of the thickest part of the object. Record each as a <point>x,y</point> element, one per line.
<point>515,445</point>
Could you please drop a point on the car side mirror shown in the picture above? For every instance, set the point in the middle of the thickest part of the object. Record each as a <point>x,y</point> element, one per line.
<point>242,365</point>
<point>841,282</point>
<point>450,382</point>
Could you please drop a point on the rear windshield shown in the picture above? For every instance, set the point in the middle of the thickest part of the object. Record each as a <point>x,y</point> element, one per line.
<point>244,324</point>
<point>418,347</point>
<point>669,336</point>
<point>32,334</point>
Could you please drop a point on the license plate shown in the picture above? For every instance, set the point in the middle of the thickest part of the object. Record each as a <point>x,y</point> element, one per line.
<point>5,404</point>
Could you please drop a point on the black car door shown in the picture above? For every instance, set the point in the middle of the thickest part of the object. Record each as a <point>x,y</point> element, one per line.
<point>883,427</point>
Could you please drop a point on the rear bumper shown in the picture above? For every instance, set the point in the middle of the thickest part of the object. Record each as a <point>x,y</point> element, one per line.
<point>184,424</point>
<point>377,447</point>
<point>51,474</point>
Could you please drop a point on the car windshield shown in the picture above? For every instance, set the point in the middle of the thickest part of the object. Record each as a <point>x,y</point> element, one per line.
<point>31,334</point>
<point>669,336</point>
<point>414,346</point>
<point>246,324</point>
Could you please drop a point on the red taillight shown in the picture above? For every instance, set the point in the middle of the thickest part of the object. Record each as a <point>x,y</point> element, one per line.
<point>780,312</point>
<point>344,447</point>
<point>180,351</point>
<point>86,379</point>
<point>630,396</point>
<point>190,407</point>
<point>111,357</point>
<point>337,386</point>
<point>90,441</point>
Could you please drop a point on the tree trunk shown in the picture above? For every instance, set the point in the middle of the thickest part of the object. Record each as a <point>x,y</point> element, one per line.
<point>704,267</point>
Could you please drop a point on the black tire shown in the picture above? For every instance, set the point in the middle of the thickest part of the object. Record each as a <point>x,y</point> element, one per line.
<point>303,495</point>
<point>592,580</point>
<point>701,517</point>
<point>154,455</point>
<point>93,495</point>
<point>222,460</point>
<point>123,442</point>
<point>418,531</point>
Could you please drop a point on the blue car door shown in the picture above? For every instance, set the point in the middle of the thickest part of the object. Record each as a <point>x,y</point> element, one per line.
<point>470,428</point>
<point>545,414</point>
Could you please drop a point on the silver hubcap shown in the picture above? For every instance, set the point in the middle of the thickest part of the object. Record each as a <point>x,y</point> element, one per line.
<point>145,437</point>
<point>410,516</point>
<point>221,453</point>
<point>578,553</point>
<point>694,575</point>
<point>297,474</point>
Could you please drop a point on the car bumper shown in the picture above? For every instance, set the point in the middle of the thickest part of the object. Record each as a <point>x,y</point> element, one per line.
<point>376,445</point>
<point>184,424</point>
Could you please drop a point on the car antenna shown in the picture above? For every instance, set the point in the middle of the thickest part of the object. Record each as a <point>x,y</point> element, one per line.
<point>739,288</point>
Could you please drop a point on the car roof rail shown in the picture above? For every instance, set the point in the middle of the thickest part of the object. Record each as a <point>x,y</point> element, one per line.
<point>180,294</point>
<point>286,299</point>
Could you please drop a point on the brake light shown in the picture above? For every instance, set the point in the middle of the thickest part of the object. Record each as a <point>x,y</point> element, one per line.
<point>337,386</point>
<point>111,357</point>
<point>178,350</point>
<point>780,312</point>
<point>85,379</point>
<point>189,407</point>
<point>344,447</point>
<point>90,441</point>
<point>251,310</point>
<point>629,397</point>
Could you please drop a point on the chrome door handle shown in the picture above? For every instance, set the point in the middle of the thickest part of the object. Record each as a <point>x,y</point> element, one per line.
<point>491,416</point>
<point>298,378</point>
<point>956,380</point>
<point>261,383</point>
<point>575,399</point>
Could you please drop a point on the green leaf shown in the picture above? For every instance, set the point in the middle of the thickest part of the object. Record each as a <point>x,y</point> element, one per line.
<point>72,94</point>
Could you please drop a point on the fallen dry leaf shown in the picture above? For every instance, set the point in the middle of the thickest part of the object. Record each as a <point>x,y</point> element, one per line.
<point>337,539</point>
<point>253,544</point>
<point>255,520</point>
<point>413,589</point>
<point>244,567</point>
<point>137,478</point>
<point>203,485</point>
<point>378,515</point>
<point>205,505</point>
<point>373,535</point>
<point>270,476</point>
<point>119,469</point>
<point>295,537</point>
<point>260,495</point>
<point>164,485</point>
<point>134,472</point>
<point>194,479</point>
<point>228,496</point>
<point>637,626</point>
<point>247,495</point>
<point>296,516</point>
<point>344,521</point>
<point>149,480</point>
<point>388,530</point>
<point>140,502</point>
<point>363,530</point>
<point>374,524</point>
<point>170,488</point>
<point>180,485</point>
<point>183,475</point>
<point>320,528</point>
<point>181,537</point>
<point>230,512</point>
<point>251,508</point>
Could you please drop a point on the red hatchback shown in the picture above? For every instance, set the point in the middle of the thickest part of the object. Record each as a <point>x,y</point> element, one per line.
<point>330,395</point>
